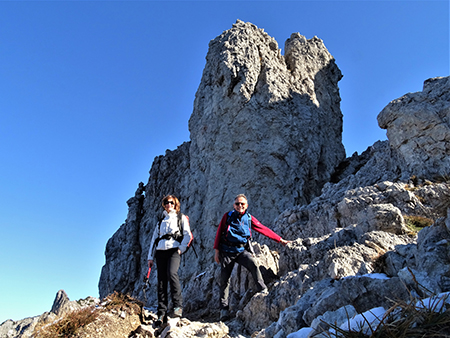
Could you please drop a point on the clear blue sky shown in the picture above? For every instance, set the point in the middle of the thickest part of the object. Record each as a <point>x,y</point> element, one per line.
<point>92,91</point>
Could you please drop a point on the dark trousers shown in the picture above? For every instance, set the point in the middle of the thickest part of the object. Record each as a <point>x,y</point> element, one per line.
<point>227,261</point>
<point>168,262</point>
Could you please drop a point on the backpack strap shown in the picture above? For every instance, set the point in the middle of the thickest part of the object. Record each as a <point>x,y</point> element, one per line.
<point>180,225</point>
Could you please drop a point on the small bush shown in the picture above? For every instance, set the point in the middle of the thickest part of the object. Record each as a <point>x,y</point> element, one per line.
<point>122,302</point>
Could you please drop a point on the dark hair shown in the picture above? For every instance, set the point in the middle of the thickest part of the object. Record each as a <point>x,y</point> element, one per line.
<point>177,202</point>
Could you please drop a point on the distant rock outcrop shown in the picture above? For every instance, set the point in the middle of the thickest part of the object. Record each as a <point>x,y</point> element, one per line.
<point>62,305</point>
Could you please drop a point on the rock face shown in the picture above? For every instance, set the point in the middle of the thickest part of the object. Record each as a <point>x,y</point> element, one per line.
<point>270,126</point>
<point>263,124</point>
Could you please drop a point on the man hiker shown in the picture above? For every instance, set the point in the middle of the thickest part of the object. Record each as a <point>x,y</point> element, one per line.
<point>232,246</point>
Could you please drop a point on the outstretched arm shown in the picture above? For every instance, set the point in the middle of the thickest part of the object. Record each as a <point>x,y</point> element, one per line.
<point>262,229</point>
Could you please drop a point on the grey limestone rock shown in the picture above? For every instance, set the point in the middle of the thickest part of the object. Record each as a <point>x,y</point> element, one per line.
<point>18,329</point>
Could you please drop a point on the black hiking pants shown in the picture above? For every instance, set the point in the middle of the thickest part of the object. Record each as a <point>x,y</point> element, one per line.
<point>168,262</point>
<point>227,261</point>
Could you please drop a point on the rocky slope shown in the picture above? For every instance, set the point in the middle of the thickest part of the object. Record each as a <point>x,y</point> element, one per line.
<point>270,126</point>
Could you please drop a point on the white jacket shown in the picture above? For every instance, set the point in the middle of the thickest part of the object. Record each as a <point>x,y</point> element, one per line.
<point>169,225</point>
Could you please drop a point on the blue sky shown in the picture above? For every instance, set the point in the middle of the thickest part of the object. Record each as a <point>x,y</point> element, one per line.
<point>92,91</point>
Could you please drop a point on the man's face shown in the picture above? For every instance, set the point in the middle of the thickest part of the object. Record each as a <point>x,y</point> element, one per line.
<point>240,205</point>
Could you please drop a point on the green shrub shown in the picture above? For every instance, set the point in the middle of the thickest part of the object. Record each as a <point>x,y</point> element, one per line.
<point>417,223</point>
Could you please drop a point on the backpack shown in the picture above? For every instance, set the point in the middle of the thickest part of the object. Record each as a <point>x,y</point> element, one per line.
<point>178,236</point>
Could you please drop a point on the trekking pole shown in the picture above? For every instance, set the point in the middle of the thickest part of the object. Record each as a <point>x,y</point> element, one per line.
<point>146,284</point>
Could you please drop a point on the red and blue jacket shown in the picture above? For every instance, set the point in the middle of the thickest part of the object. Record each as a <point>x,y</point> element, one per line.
<point>235,229</point>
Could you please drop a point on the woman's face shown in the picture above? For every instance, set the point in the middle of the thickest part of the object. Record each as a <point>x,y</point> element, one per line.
<point>169,205</point>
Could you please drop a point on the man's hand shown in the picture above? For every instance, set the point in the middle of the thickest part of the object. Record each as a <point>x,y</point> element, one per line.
<point>284,242</point>
<point>150,263</point>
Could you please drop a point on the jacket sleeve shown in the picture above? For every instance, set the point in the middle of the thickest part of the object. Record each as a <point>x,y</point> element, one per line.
<point>262,229</point>
<point>152,243</point>
<point>187,235</point>
<point>221,228</point>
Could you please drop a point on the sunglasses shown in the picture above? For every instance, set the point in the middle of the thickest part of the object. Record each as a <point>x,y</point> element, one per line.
<point>238,204</point>
<point>169,202</point>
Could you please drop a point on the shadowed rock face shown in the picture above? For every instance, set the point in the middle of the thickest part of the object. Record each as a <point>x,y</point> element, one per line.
<point>263,124</point>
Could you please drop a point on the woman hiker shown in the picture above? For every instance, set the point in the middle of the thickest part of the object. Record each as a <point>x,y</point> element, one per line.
<point>170,239</point>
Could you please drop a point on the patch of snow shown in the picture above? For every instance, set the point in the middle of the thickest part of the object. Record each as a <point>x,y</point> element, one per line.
<point>376,276</point>
<point>370,275</point>
<point>302,333</point>
<point>364,322</point>
<point>435,303</point>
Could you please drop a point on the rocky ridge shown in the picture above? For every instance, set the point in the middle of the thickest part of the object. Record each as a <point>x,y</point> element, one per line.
<point>349,224</point>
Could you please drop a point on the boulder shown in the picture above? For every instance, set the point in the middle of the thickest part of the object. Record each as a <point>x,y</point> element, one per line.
<point>418,129</point>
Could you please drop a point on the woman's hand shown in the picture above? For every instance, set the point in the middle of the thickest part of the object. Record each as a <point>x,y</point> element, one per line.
<point>216,256</point>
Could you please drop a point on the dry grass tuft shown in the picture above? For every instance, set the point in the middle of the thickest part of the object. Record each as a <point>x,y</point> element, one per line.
<point>120,302</point>
<point>417,223</point>
<point>68,325</point>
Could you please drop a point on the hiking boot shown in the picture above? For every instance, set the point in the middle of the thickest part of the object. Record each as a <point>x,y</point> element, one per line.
<point>224,315</point>
<point>177,312</point>
<point>162,319</point>
<point>159,321</point>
